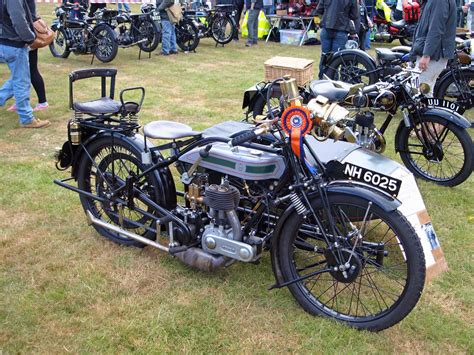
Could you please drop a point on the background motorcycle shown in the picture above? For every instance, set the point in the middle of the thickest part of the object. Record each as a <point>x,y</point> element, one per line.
<point>82,35</point>
<point>132,29</point>
<point>387,30</point>
<point>187,37</point>
<point>342,248</point>
<point>432,139</point>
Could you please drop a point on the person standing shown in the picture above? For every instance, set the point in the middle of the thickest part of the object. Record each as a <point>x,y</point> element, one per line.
<point>239,7</point>
<point>336,17</point>
<point>253,7</point>
<point>434,40</point>
<point>363,25</point>
<point>123,6</point>
<point>168,42</point>
<point>268,7</point>
<point>15,36</point>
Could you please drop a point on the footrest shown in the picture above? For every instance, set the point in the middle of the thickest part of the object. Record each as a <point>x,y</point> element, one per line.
<point>168,130</point>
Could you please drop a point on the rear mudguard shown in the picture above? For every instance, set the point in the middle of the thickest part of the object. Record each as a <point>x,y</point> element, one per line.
<point>163,175</point>
<point>251,94</point>
<point>382,200</point>
<point>450,116</point>
<point>353,52</point>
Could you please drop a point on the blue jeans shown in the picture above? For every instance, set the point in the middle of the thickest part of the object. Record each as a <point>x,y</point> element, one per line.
<point>252,26</point>
<point>331,42</point>
<point>19,83</point>
<point>168,42</point>
<point>125,6</point>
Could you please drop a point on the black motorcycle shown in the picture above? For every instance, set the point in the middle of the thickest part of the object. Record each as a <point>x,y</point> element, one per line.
<point>218,23</point>
<point>187,37</point>
<point>432,139</point>
<point>132,29</point>
<point>82,35</point>
<point>342,248</point>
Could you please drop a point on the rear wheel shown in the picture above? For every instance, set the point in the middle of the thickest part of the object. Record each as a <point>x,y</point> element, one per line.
<point>370,279</point>
<point>458,87</point>
<point>436,150</point>
<point>110,163</point>
<point>59,47</point>
<point>223,28</point>
<point>187,36</point>
<point>147,30</point>
<point>352,68</point>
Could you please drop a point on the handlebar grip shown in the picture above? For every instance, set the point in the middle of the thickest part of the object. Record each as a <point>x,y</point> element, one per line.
<point>369,88</point>
<point>242,138</point>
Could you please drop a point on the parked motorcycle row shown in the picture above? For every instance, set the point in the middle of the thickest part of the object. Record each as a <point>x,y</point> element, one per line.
<point>107,30</point>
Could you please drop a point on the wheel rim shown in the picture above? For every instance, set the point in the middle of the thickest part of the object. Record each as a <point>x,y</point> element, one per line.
<point>352,71</point>
<point>60,43</point>
<point>186,36</point>
<point>147,31</point>
<point>439,155</point>
<point>105,45</point>
<point>222,29</point>
<point>109,171</point>
<point>380,271</point>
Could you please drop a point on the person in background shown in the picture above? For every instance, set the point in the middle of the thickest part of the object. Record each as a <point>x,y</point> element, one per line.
<point>469,9</point>
<point>363,26</point>
<point>336,16</point>
<point>434,40</point>
<point>461,14</point>
<point>94,7</point>
<point>253,7</point>
<point>370,6</point>
<point>15,36</point>
<point>239,7</point>
<point>168,42</point>
<point>123,6</point>
<point>268,7</point>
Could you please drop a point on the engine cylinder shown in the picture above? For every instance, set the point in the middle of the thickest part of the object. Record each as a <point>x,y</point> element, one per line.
<point>222,197</point>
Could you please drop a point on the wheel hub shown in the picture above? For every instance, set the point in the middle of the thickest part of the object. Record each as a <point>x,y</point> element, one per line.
<point>434,152</point>
<point>349,267</point>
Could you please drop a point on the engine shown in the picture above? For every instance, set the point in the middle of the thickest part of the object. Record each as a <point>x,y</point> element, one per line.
<point>221,239</point>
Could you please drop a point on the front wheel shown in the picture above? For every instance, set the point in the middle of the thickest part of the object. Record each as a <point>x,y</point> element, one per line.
<point>104,169</point>
<point>436,150</point>
<point>368,271</point>
<point>105,46</point>
<point>223,28</point>
<point>149,36</point>
<point>352,68</point>
<point>59,47</point>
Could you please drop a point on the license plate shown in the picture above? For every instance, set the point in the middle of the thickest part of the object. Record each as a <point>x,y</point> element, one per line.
<point>431,102</point>
<point>383,182</point>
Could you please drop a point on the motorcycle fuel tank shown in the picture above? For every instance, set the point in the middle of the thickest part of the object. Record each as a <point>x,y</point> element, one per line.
<point>246,163</point>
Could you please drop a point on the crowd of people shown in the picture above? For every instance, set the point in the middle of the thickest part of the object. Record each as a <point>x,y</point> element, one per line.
<point>433,44</point>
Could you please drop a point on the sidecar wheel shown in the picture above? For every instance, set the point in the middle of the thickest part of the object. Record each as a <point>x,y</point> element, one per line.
<point>384,273</point>
<point>110,165</point>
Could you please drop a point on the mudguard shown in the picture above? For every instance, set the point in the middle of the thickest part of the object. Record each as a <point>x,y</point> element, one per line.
<point>358,52</point>
<point>445,75</point>
<point>55,25</point>
<point>450,116</point>
<point>251,94</point>
<point>163,175</point>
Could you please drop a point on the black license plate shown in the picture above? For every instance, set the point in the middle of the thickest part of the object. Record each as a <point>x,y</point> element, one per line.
<point>383,182</point>
<point>452,106</point>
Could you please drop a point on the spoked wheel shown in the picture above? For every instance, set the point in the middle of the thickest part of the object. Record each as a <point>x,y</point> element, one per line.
<point>457,87</point>
<point>149,32</point>
<point>187,36</point>
<point>223,29</point>
<point>371,278</point>
<point>105,46</point>
<point>105,171</point>
<point>59,47</point>
<point>352,68</point>
<point>437,151</point>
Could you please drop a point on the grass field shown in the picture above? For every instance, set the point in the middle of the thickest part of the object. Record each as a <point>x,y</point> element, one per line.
<point>63,288</point>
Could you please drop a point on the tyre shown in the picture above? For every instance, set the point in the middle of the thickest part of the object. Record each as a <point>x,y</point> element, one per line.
<point>457,87</point>
<point>187,36</point>
<point>110,163</point>
<point>369,282</point>
<point>59,47</point>
<point>147,30</point>
<point>443,154</point>
<point>406,41</point>
<point>223,28</point>
<point>260,106</point>
<point>352,68</point>
<point>105,47</point>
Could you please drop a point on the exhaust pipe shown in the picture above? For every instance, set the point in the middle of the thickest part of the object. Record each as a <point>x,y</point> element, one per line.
<point>98,222</point>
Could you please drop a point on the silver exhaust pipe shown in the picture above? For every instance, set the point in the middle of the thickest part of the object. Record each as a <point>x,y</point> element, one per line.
<point>98,222</point>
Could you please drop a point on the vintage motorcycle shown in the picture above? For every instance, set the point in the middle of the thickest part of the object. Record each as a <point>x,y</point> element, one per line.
<point>131,29</point>
<point>432,139</point>
<point>387,30</point>
<point>82,35</point>
<point>341,247</point>
<point>187,37</point>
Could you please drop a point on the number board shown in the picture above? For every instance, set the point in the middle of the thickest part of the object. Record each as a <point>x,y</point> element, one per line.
<point>430,102</point>
<point>383,182</point>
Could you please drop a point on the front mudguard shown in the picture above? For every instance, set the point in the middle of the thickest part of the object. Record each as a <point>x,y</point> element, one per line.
<point>450,116</point>
<point>379,198</point>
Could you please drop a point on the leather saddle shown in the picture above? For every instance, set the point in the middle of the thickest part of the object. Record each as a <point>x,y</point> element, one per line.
<point>104,105</point>
<point>334,91</point>
<point>168,130</point>
<point>387,55</point>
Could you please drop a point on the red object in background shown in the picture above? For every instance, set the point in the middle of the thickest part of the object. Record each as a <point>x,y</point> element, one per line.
<point>411,10</point>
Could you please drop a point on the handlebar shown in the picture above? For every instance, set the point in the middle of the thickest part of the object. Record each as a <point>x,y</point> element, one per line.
<point>248,135</point>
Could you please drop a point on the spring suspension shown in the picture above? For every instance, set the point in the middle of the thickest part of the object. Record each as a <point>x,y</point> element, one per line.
<point>299,205</point>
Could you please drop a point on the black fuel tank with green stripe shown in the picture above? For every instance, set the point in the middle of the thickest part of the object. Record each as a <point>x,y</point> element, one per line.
<point>246,163</point>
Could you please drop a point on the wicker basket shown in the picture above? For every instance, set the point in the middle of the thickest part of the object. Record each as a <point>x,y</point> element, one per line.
<point>298,68</point>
